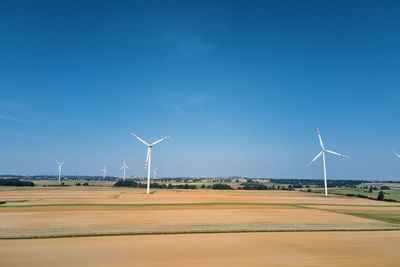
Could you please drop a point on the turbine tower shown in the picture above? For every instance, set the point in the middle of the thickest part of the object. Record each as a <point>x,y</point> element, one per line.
<point>104,170</point>
<point>59,170</point>
<point>396,154</point>
<point>124,167</point>
<point>148,157</point>
<point>154,173</point>
<point>323,150</point>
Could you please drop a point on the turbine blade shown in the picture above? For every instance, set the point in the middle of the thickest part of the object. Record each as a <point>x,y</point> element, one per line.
<point>317,156</point>
<point>320,139</point>
<point>335,153</point>
<point>147,157</point>
<point>396,154</point>
<point>159,140</point>
<point>144,142</point>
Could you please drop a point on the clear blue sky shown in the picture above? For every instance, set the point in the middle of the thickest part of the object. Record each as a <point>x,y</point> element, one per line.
<point>239,85</point>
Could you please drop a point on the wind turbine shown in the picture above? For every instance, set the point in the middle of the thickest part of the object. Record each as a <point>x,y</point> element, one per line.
<point>154,173</point>
<point>59,170</point>
<point>323,150</point>
<point>124,167</point>
<point>104,170</point>
<point>396,154</point>
<point>148,157</point>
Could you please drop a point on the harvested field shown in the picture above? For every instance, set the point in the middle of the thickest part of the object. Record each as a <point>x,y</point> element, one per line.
<point>78,195</point>
<point>73,212</point>
<point>25,222</point>
<point>239,249</point>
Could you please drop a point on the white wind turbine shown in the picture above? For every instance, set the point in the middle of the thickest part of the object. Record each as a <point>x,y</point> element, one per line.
<point>59,170</point>
<point>396,154</point>
<point>104,170</point>
<point>323,160</point>
<point>124,167</point>
<point>154,173</point>
<point>148,158</point>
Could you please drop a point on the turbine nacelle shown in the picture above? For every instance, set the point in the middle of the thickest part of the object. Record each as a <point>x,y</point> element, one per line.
<point>60,164</point>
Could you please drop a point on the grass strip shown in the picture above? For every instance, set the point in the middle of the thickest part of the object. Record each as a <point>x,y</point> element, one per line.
<point>382,215</point>
<point>193,232</point>
<point>386,217</point>
<point>194,204</point>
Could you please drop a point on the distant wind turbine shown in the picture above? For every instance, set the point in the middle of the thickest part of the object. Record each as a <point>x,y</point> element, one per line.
<point>59,170</point>
<point>104,170</point>
<point>396,154</point>
<point>148,157</point>
<point>154,173</point>
<point>124,167</point>
<point>323,160</point>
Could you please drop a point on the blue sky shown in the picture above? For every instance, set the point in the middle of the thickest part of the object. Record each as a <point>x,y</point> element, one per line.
<point>239,85</point>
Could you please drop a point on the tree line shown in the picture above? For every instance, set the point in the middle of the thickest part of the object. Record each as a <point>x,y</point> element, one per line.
<point>15,182</point>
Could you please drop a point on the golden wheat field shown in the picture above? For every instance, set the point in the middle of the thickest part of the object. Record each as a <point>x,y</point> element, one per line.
<point>100,226</point>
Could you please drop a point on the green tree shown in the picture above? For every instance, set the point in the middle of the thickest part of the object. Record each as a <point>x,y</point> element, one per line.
<point>370,189</point>
<point>381,196</point>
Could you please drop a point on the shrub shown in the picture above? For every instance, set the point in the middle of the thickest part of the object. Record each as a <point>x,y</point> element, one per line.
<point>381,196</point>
<point>384,187</point>
<point>126,183</point>
<point>255,187</point>
<point>221,187</point>
<point>390,200</point>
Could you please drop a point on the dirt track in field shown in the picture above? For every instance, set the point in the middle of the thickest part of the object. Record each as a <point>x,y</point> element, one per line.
<point>240,249</point>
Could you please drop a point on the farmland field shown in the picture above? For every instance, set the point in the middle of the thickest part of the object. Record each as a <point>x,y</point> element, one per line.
<point>179,227</point>
<point>392,194</point>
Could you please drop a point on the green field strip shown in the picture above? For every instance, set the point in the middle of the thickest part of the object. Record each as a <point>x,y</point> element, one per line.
<point>300,205</point>
<point>382,215</point>
<point>194,232</point>
<point>385,217</point>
